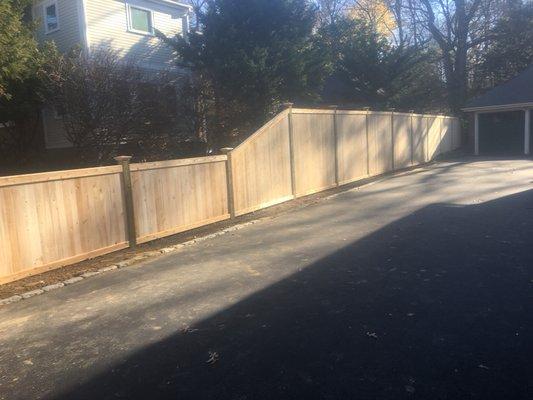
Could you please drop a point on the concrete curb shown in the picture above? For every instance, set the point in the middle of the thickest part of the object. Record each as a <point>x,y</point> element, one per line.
<point>126,263</point>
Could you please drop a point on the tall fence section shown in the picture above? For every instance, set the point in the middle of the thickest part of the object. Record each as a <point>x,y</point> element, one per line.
<point>53,219</point>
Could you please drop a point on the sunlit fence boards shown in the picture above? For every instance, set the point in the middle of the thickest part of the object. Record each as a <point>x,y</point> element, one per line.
<point>178,195</point>
<point>261,167</point>
<point>58,218</point>
<point>314,151</point>
<point>352,155</point>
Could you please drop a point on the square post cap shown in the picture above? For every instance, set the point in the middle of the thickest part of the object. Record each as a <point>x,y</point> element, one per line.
<point>122,159</point>
<point>226,150</point>
<point>287,105</point>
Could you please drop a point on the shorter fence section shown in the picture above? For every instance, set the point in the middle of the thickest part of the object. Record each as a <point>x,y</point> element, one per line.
<point>58,218</point>
<point>54,219</point>
<point>178,195</point>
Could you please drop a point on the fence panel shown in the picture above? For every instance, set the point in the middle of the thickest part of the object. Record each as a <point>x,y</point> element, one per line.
<point>446,141</point>
<point>57,218</point>
<point>314,151</point>
<point>261,168</point>
<point>178,195</point>
<point>457,138</point>
<point>419,139</point>
<point>379,143</point>
<point>433,139</point>
<point>351,146</point>
<point>402,140</point>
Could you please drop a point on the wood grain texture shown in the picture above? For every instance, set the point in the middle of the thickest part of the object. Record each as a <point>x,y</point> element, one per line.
<point>457,137</point>
<point>314,152</point>
<point>419,139</point>
<point>379,143</point>
<point>57,175</point>
<point>170,200</point>
<point>402,140</point>
<point>47,224</point>
<point>433,138</point>
<point>351,147</point>
<point>446,141</point>
<point>262,168</point>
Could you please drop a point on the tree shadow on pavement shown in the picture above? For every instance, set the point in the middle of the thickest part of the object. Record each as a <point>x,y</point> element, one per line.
<point>434,306</point>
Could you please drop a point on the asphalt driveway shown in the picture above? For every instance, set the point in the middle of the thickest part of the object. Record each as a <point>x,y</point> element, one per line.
<point>419,286</point>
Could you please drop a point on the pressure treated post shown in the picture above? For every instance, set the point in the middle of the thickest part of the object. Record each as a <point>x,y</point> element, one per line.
<point>229,180</point>
<point>288,106</point>
<point>336,143</point>
<point>127,192</point>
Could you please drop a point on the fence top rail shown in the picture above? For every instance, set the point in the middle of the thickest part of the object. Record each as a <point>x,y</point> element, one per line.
<point>58,175</point>
<point>341,111</point>
<point>265,127</point>
<point>177,163</point>
<point>313,111</point>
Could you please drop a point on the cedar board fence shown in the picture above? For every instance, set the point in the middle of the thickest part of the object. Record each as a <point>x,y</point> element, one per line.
<point>53,219</point>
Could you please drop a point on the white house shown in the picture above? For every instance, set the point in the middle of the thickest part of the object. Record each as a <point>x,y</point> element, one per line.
<point>126,26</point>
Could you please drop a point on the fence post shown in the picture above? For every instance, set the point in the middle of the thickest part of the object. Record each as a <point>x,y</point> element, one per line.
<point>392,134</point>
<point>336,144</point>
<point>367,111</point>
<point>288,106</point>
<point>127,192</point>
<point>412,138</point>
<point>229,180</point>
<point>428,127</point>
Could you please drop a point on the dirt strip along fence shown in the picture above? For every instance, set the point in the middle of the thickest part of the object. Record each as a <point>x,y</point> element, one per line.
<point>53,219</point>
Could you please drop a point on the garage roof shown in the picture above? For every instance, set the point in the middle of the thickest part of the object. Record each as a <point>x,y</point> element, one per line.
<point>514,94</point>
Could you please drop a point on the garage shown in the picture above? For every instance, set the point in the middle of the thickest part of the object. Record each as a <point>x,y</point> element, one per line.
<point>502,120</point>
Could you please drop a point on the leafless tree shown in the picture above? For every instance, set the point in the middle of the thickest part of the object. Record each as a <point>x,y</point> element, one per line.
<point>457,27</point>
<point>331,10</point>
<point>107,103</point>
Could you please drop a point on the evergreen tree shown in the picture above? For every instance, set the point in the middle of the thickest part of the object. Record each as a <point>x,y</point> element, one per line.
<point>18,50</point>
<point>254,54</point>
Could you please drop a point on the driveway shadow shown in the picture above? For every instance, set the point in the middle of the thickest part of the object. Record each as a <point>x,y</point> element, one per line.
<point>437,305</point>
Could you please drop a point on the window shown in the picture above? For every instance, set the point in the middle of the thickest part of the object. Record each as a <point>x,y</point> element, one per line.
<point>51,18</point>
<point>140,20</point>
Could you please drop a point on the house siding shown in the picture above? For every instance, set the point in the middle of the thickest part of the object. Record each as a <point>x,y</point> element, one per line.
<point>68,35</point>
<point>107,23</point>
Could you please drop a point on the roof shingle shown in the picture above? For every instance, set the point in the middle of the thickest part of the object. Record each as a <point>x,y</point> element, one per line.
<point>518,90</point>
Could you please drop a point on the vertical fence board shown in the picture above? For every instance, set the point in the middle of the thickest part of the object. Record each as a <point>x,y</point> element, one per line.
<point>352,154</point>
<point>402,141</point>
<point>53,222</point>
<point>379,143</point>
<point>419,139</point>
<point>457,138</point>
<point>433,140</point>
<point>262,169</point>
<point>446,135</point>
<point>314,152</point>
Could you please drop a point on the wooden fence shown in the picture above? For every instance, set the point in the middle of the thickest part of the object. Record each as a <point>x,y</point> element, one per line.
<point>53,219</point>
<point>304,151</point>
